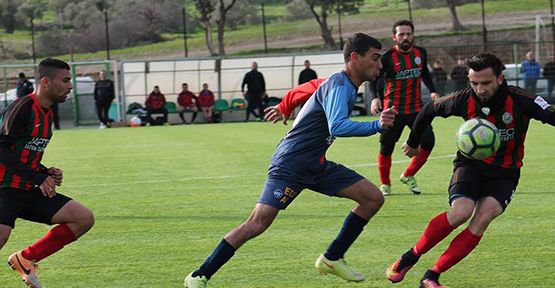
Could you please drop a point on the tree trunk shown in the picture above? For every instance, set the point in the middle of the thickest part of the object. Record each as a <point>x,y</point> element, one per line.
<point>325,30</point>
<point>457,26</point>
<point>221,24</point>
<point>3,49</point>
<point>208,37</point>
<point>10,23</point>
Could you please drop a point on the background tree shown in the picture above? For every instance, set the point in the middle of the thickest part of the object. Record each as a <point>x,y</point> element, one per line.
<point>32,9</point>
<point>297,10</point>
<point>205,9</point>
<point>247,13</point>
<point>327,6</point>
<point>8,11</point>
<point>457,26</point>
<point>223,9</point>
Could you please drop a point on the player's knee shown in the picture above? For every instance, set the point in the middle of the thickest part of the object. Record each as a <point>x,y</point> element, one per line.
<point>458,217</point>
<point>85,219</point>
<point>373,199</point>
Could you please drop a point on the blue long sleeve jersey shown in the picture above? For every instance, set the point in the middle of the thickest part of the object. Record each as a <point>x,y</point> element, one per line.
<point>324,117</point>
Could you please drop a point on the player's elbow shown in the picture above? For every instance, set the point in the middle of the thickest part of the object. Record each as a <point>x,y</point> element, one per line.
<point>337,130</point>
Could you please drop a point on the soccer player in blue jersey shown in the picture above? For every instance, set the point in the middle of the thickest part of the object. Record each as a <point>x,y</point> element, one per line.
<point>299,162</point>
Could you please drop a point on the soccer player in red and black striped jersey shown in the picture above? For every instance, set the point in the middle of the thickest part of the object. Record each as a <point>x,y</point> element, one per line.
<point>479,190</point>
<point>405,66</point>
<point>27,188</point>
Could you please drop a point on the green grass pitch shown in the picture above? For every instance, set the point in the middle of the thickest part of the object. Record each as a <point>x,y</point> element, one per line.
<point>163,197</point>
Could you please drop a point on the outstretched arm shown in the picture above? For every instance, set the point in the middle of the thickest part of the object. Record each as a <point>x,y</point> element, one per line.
<point>335,106</point>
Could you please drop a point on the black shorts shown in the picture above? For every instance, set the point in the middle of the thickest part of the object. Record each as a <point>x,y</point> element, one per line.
<point>28,205</point>
<point>392,135</point>
<point>475,180</point>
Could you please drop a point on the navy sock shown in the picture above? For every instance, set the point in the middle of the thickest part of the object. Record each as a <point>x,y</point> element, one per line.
<point>352,227</point>
<point>221,254</point>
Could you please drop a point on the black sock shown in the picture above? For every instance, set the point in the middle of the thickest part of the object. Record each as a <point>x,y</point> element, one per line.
<point>194,117</point>
<point>407,259</point>
<point>221,254</point>
<point>352,227</point>
<point>432,275</point>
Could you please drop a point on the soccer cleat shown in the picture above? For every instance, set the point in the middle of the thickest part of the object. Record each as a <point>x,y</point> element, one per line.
<point>386,189</point>
<point>26,269</point>
<point>393,274</point>
<point>338,268</point>
<point>411,182</point>
<point>429,283</point>
<point>195,282</point>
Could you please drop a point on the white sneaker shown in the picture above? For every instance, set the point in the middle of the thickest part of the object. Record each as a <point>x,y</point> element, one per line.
<point>102,126</point>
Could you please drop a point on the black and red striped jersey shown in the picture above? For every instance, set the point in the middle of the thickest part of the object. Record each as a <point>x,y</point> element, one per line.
<point>25,131</point>
<point>399,83</point>
<point>510,109</point>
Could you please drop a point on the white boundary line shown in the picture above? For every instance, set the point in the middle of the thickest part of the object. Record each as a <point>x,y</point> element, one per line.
<point>228,176</point>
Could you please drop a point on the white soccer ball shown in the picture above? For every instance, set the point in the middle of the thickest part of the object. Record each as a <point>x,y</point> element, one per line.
<point>478,139</point>
<point>135,121</point>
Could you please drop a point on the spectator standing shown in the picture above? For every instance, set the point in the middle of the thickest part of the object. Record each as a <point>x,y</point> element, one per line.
<point>439,77</point>
<point>256,89</point>
<point>103,96</point>
<point>549,74</point>
<point>206,102</point>
<point>187,102</point>
<point>459,75</point>
<point>307,74</point>
<point>24,86</point>
<point>530,69</point>
<point>155,103</point>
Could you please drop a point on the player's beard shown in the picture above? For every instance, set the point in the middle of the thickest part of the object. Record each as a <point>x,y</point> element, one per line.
<point>405,45</point>
<point>61,98</point>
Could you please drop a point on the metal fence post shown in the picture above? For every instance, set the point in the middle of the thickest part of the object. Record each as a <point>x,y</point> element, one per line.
<point>74,96</point>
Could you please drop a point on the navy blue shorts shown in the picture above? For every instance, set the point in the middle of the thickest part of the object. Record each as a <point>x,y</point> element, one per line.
<point>283,186</point>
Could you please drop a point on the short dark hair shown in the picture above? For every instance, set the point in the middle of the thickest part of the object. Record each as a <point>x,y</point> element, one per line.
<point>49,68</point>
<point>485,60</point>
<point>359,43</point>
<point>182,84</point>
<point>402,23</point>
<point>21,75</point>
